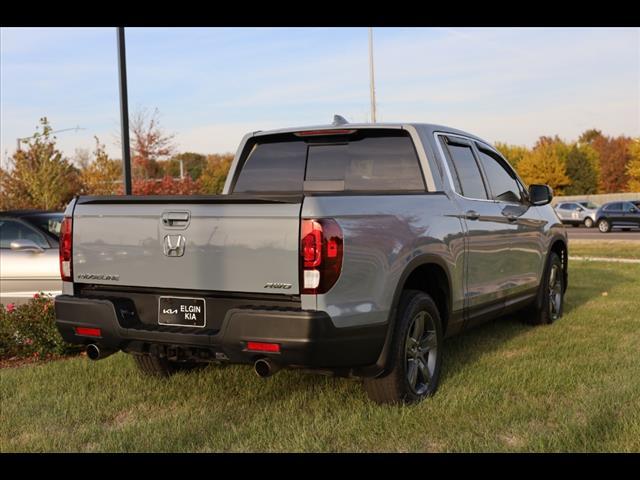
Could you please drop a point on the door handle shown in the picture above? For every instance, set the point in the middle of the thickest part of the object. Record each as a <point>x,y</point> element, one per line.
<point>175,219</point>
<point>472,215</point>
<point>512,218</point>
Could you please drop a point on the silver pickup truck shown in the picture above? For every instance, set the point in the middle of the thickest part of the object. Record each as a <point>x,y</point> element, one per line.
<point>351,249</point>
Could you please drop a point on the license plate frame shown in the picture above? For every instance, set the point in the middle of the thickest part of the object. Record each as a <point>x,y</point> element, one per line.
<point>178,318</point>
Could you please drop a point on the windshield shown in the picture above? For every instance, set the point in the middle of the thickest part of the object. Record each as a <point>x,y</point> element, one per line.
<point>47,222</point>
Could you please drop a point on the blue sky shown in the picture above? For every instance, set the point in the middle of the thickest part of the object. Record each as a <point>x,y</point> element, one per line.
<point>212,85</point>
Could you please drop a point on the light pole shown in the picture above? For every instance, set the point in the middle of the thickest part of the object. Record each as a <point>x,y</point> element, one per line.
<point>124,112</point>
<point>23,139</point>
<point>372,86</point>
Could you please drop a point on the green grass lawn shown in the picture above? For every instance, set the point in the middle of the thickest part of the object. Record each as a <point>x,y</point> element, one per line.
<point>605,248</point>
<point>571,386</point>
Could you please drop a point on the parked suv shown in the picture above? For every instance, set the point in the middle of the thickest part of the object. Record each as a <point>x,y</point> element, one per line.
<point>577,213</point>
<point>353,249</point>
<point>623,215</point>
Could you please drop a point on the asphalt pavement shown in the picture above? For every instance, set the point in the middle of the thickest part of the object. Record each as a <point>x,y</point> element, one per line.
<point>582,233</point>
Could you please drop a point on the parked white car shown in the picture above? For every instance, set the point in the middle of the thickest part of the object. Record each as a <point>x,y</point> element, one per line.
<point>29,261</point>
<point>577,213</point>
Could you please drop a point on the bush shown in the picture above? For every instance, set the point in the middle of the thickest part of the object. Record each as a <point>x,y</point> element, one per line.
<point>30,329</point>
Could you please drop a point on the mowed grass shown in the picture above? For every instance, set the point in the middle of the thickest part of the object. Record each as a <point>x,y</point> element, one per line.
<point>571,386</point>
<point>605,248</point>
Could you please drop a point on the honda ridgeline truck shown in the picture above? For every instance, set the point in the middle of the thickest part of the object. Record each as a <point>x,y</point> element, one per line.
<point>350,249</point>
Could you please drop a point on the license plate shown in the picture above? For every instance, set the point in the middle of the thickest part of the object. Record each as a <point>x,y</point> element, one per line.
<point>182,311</point>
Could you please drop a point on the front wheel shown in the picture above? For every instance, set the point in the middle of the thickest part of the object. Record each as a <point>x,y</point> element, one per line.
<point>551,305</point>
<point>604,226</point>
<point>413,370</point>
<point>588,222</point>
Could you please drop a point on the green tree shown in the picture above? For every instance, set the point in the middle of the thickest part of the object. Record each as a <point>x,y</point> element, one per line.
<point>215,174</point>
<point>103,176</point>
<point>193,164</point>
<point>583,170</point>
<point>39,176</point>
<point>546,164</point>
<point>633,168</point>
<point>513,153</point>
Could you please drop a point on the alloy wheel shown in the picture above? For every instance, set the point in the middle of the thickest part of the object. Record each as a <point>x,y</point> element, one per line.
<point>421,352</point>
<point>555,292</point>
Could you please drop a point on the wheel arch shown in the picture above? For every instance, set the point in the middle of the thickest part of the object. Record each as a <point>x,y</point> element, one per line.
<point>428,273</point>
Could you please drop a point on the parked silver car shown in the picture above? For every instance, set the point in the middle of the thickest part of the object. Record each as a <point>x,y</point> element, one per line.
<point>577,213</point>
<point>29,255</point>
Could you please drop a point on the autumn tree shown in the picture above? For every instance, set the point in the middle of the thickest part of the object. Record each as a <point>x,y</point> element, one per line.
<point>513,153</point>
<point>583,169</point>
<point>39,176</point>
<point>545,164</point>
<point>633,167</point>
<point>149,143</point>
<point>215,173</point>
<point>613,155</point>
<point>102,176</point>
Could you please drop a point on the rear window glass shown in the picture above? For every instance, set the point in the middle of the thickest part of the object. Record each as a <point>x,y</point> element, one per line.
<point>371,163</point>
<point>273,167</point>
<point>364,161</point>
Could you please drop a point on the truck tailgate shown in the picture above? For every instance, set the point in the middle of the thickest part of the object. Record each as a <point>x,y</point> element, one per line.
<point>217,245</point>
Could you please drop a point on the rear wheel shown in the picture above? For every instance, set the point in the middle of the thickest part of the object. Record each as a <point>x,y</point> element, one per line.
<point>588,222</point>
<point>156,366</point>
<point>604,226</point>
<point>415,356</point>
<point>552,302</point>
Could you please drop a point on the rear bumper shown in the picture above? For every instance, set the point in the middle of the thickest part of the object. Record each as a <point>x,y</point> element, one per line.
<point>306,338</point>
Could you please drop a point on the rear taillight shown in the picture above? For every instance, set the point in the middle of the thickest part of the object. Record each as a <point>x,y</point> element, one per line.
<point>321,254</point>
<point>66,234</point>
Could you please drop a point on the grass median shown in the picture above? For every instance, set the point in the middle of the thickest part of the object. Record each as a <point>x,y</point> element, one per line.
<point>605,248</point>
<point>570,386</point>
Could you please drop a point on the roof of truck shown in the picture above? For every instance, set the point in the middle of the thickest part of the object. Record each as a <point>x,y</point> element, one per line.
<point>429,128</point>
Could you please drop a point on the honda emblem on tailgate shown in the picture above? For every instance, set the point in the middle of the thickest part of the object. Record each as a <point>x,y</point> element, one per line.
<point>174,245</point>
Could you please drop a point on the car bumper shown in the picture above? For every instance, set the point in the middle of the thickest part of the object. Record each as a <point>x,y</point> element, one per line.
<point>306,338</point>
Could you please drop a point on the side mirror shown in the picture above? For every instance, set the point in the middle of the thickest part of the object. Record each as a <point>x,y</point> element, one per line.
<point>26,245</point>
<point>540,194</point>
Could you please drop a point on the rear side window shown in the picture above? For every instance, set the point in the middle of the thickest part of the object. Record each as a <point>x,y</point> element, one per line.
<point>465,171</point>
<point>613,207</point>
<point>273,167</point>
<point>370,163</point>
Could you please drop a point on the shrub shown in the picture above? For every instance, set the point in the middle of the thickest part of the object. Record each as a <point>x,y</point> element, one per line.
<point>29,329</point>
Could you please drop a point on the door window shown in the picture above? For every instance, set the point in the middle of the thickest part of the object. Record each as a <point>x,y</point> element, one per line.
<point>502,181</point>
<point>11,230</point>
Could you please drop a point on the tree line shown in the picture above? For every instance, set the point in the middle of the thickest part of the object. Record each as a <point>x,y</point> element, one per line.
<point>41,177</point>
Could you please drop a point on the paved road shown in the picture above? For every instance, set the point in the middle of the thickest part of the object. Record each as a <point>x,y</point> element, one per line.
<point>581,233</point>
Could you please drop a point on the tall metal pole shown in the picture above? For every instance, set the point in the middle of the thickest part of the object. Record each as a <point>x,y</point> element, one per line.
<point>371,79</point>
<point>124,112</point>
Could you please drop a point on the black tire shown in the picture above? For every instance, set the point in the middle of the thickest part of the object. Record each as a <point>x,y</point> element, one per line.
<point>552,294</point>
<point>421,359</point>
<point>588,222</point>
<point>604,225</point>
<point>156,366</point>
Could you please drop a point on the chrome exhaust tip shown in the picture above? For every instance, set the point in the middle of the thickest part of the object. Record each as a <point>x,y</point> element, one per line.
<point>265,368</point>
<point>94,352</point>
